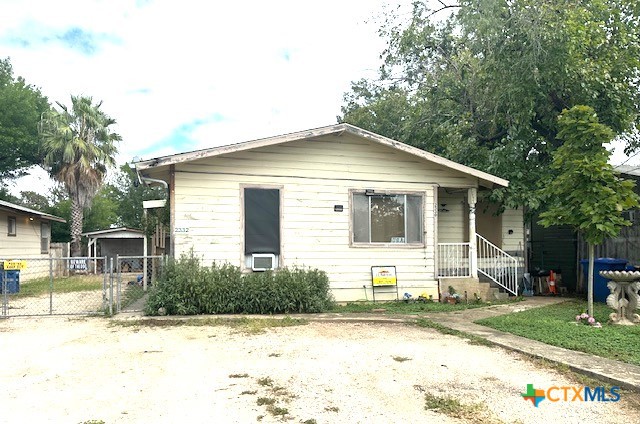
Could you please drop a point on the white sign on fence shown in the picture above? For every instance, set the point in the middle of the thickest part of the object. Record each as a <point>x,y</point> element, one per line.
<point>77,264</point>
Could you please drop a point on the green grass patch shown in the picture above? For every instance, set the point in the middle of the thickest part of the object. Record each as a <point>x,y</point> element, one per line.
<point>74,283</point>
<point>556,325</point>
<point>452,407</point>
<point>244,324</point>
<point>410,308</point>
<point>472,338</point>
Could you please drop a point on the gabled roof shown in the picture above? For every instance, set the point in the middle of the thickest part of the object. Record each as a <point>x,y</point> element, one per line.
<point>12,207</point>
<point>486,179</point>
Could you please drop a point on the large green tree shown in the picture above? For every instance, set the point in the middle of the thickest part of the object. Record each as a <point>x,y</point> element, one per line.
<point>484,85</point>
<point>586,192</point>
<point>79,146</point>
<point>21,106</point>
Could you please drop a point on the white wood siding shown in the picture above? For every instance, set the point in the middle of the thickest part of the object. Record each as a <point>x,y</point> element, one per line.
<point>513,220</point>
<point>314,176</point>
<point>25,245</point>
<point>26,242</point>
<point>453,221</point>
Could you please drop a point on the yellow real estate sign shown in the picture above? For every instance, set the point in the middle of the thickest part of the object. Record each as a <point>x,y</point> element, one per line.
<point>384,275</point>
<point>13,265</point>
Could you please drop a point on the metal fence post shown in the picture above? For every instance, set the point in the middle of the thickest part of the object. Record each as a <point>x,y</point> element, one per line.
<point>144,272</point>
<point>105,273</point>
<point>5,309</point>
<point>118,283</point>
<point>111,288</point>
<point>50,285</point>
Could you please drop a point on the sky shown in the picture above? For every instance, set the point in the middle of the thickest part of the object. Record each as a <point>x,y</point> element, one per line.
<point>191,74</point>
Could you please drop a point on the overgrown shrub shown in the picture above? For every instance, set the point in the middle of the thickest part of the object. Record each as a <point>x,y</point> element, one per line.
<point>187,288</point>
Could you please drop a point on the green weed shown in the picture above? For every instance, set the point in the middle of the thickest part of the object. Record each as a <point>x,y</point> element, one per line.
<point>238,375</point>
<point>277,410</point>
<point>265,381</point>
<point>452,407</point>
<point>265,401</point>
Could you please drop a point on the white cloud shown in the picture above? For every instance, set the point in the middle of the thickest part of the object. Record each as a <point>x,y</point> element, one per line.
<point>266,67</point>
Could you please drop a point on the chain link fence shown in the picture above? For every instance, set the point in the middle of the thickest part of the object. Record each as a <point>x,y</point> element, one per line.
<point>75,286</point>
<point>134,275</point>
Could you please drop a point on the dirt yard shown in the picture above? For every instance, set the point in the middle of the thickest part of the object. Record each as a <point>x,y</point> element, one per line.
<point>74,370</point>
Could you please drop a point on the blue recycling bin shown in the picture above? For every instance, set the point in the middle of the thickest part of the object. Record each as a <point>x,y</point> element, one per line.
<point>13,281</point>
<point>600,289</point>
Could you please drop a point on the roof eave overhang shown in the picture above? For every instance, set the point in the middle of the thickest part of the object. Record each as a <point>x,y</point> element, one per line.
<point>484,179</point>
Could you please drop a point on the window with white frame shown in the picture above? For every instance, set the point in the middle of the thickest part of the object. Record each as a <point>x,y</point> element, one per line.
<point>45,235</point>
<point>387,218</point>
<point>11,226</point>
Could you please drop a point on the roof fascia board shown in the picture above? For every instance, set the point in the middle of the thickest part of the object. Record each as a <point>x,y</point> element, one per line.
<point>27,211</point>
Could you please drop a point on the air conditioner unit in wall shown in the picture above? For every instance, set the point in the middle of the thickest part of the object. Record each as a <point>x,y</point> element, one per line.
<point>263,261</point>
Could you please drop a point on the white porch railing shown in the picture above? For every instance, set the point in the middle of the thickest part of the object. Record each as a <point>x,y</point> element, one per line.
<point>453,260</point>
<point>497,265</point>
<point>493,262</point>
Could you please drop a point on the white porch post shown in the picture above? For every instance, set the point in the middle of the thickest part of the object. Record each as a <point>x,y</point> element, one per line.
<point>472,198</point>
<point>144,255</point>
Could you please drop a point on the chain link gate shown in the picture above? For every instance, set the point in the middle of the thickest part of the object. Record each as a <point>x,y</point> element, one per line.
<point>77,285</point>
<point>54,286</point>
<point>134,275</point>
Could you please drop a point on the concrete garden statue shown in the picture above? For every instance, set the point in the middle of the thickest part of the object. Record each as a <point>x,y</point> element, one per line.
<point>624,286</point>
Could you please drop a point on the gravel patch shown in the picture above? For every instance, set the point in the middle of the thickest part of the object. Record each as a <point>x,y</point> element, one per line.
<point>78,369</point>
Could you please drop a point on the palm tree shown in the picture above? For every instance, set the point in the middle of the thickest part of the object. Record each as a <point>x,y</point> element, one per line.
<point>78,147</point>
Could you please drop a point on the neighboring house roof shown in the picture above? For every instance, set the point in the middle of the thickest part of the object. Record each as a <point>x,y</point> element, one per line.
<point>12,207</point>
<point>486,179</point>
<point>122,232</point>
<point>628,169</point>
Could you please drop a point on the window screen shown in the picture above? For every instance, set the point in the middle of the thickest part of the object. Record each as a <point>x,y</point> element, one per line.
<point>261,221</point>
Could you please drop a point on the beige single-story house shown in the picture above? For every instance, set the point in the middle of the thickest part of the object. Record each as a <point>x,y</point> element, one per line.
<point>25,233</point>
<point>347,201</point>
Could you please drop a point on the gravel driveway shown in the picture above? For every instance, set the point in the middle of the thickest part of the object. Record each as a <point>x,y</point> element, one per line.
<point>72,370</point>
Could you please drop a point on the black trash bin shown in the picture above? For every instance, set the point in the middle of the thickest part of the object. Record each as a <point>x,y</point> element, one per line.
<point>600,289</point>
<point>12,279</point>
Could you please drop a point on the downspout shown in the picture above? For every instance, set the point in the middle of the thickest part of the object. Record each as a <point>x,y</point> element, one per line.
<point>149,181</point>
